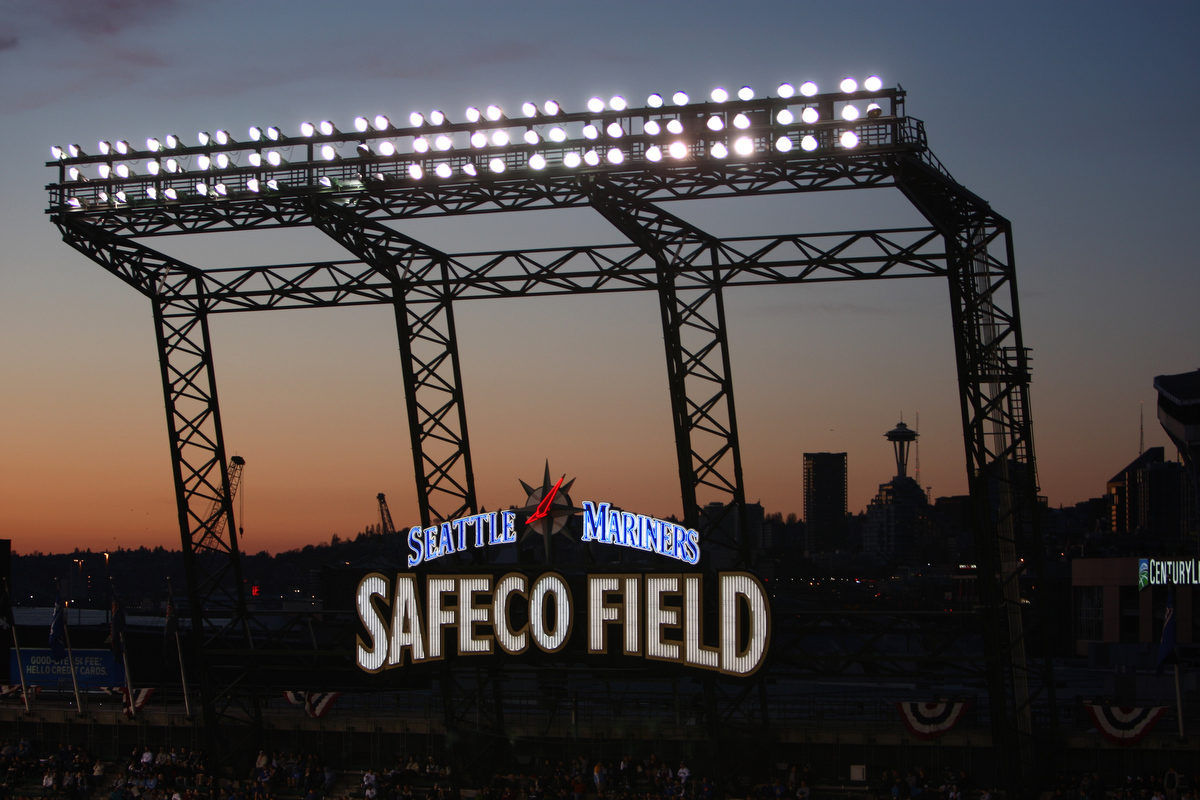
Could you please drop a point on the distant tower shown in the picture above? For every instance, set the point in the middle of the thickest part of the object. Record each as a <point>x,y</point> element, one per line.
<point>901,438</point>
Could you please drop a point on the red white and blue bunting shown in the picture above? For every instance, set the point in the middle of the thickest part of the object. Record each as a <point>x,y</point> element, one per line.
<point>1123,725</point>
<point>140,696</point>
<point>928,721</point>
<point>316,704</point>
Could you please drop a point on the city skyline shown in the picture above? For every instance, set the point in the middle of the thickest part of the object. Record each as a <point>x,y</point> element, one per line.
<point>312,400</point>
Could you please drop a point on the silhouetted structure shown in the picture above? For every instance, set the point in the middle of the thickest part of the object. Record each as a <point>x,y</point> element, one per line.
<point>826,527</point>
<point>898,517</point>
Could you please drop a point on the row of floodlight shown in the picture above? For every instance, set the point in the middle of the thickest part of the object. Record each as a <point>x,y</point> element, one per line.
<point>493,113</point>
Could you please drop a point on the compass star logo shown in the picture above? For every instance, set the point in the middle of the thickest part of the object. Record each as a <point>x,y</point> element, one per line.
<point>547,507</point>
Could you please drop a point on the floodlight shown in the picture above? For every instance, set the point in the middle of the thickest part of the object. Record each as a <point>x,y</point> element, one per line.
<point>680,98</point>
<point>550,108</point>
<point>472,114</point>
<point>849,140</point>
<point>328,152</point>
<point>327,128</point>
<point>222,137</point>
<point>478,139</point>
<point>675,126</point>
<point>415,172</point>
<point>849,113</point>
<point>715,123</point>
<point>614,130</point>
<point>590,132</point>
<point>74,150</point>
<point>105,148</point>
<point>595,105</point>
<point>153,167</point>
<point>652,127</point>
<point>172,141</point>
<point>221,190</point>
<point>256,133</point>
<point>420,145</point>
<point>273,185</point>
<point>416,119</point>
<point>873,84</point>
<point>203,138</point>
<point>678,150</point>
<point>443,170</point>
<point>171,194</point>
<point>152,193</point>
<point>325,181</point>
<point>122,147</point>
<point>153,145</point>
<point>57,153</point>
<point>783,144</point>
<point>745,93</point>
<point>531,137</point>
<point>741,122</point>
<point>103,195</point>
<point>274,134</point>
<point>361,124</point>
<point>591,158</point>
<point>120,196</point>
<point>529,109</point>
<point>848,85</point>
<point>719,150</point>
<point>252,184</point>
<point>203,162</point>
<point>497,165</point>
<point>172,166</point>
<point>785,117</point>
<point>255,159</point>
<point>389,149</point>
<point>557,134</point>
<point>810,115</point>
<point>654,153</point>
<point>537,161</point>
<point>73,174</point>
<point>494,113</point>
<point>364,150</point>
<point>571,160</point>
<point>443,142</point>
<point>617,103</point>
<point>809,143</point>
<point>381,123</point>
<point>500,138</point>
<point>744,146</point>
<point>275,158</point>
<point>222,161</point>
<point>873,111</point>
<point>307,129</point>
<point>74,202</point>
<point>808,89</point>
<point>654,101</point>
<point>615,156</point>
<point>201,188</point>
<point>786,90</point>
<point>719,95</point>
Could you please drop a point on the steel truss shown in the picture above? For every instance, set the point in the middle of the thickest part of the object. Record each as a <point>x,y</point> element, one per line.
<point>689,269</point>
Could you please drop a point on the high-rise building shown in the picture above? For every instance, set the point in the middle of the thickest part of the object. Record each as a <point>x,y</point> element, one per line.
<point>825,524</point>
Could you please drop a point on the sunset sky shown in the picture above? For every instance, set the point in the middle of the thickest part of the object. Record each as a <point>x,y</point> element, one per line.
<point>1077,121</point>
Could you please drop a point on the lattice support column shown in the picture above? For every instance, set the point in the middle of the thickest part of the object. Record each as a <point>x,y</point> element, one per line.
<point>429,356</point>
<point>698,371</point>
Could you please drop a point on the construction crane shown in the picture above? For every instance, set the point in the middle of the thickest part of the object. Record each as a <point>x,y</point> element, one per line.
<point>385,516</point>
<point>217,514</point>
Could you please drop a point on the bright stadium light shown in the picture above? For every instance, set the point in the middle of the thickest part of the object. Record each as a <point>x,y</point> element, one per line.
<point>172,141</point>
<point>221,190</point>
<point>328,153</point>
<point>652,127</point>
<point>256,133</point>
<point>222,161</point>
<point>590,131</point>
<point>307,129</point>
<point>810,115</point>
<point>675,127</point>
<point>420,145</point>
<point>252,185</point>
<point>617,103</point>
<point>104,170</point>
<point>57,153</point>
<point>654,153</point>
<point>171,194</point>
<point>654,101</point>
<point>873,83</point>
<point>531,137</point>
<point>389,149</point>
<point>74,202</point>
<point>122,147</point>
<point>361,124</point>
<point>274,134</point>
<point>204,138</point>
<point>472,114</point>
<point>500,138</point>
<point>744,146</point>
<point>745,93</point>
<point>494,113</point>
<point>530,110</point>
<point>571,160</point>
<point>73,174</point>
<point>537,161</point>
<point>103,195</point>
<point>848,85</point>
<point>478,139</point>
<point>678,150</point>
<point>551,108</point>
<point>273,185</point>
<point>808,89</point>
<point>614,130</point>
<point>152,193</point>
<point>741,122</point>
<point>153,167</point>
<point>719,150</point>
<point>497,165</point>
<point>786,90</point>
<point>105,147</point>
<point>275,158</point>
<point>715,124</point>
<point>416,119</point>
<point>222,137</point>
<point>201,188</point>
<point>443,142</point>
<point>172,166</point>
<point>74,150</point>
<point>255,159</point>
<point>680,98</point>
<point>591,158</point>
<point>849,140</point>
<point>784,117</point>
<point>719,95</point>
<point>615,156</point>
<point>203,163</point>
<point>783,144</point>
<point>325,181</point>
<point>153,145</point>
<point>849,113</point>
<point>120,195</point>
<point>443,170</point>
<point>557,134</point>
<point>381,123</point>
<point>595,105</point>
<point>415,172</point>
<point>327,128</point>
<point>873,111</point>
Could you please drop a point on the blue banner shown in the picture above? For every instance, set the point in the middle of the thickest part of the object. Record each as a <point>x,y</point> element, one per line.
<point>92,668</point>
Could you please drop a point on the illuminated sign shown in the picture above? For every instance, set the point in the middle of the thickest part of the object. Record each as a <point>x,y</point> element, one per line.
<point>1152,572</point>
<point>658,616</point>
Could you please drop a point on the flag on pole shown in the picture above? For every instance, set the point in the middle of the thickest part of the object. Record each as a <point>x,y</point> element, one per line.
<point>1166,645</point>
<point>118,627</point>
<point>58,629</point>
